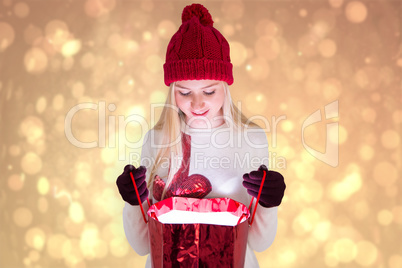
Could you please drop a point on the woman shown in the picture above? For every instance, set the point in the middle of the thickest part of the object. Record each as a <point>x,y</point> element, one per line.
<point>202,145</point>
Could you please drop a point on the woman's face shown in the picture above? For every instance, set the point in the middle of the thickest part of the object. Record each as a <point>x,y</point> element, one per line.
<point>201,101</point>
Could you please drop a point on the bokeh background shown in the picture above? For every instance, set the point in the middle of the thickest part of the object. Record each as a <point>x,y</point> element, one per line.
<point>87,66</point>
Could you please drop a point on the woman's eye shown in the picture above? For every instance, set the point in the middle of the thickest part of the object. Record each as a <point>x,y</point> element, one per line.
<point>209,93</point>
<point>184,94</point>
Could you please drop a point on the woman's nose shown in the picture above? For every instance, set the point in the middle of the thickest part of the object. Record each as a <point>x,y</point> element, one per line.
<point>197,102</point>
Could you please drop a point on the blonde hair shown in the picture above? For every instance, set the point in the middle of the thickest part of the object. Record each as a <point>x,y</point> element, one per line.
<point>171,124</point>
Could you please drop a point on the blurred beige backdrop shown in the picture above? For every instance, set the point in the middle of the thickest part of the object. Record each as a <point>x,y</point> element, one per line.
<point>77,80</point>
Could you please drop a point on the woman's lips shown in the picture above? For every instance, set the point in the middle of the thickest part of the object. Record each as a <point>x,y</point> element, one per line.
<point>203,114</point>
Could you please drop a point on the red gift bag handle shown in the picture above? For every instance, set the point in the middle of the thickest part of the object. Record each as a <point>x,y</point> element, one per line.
<point>258,198</point>
<point>138,197</point>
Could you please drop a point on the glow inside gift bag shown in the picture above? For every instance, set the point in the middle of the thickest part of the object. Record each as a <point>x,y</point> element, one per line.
<point>189,232</point>
<point>217,218</point>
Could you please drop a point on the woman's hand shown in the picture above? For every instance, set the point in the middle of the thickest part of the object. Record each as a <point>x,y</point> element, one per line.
<point>273,189</point>
<point>126,187</point>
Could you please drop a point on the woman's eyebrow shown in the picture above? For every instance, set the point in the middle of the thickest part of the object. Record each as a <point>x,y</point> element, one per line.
<point>208,86</point>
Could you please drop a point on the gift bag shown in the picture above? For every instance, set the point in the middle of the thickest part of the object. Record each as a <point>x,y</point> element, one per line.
<point>191,232</point>
<point>198,232</point>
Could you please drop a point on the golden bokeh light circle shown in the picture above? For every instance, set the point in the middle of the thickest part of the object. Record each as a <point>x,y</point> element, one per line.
<point>268,28</point>
<point>16,182</point>
<point>337,135</point>
<point>35,238</point>
<point>21,10</point>
<point>267,47</point>
<point>362,79</point>
<point>158,96</point>
<point>327,48</point>
<point>41,105</point>
<point>332,89</point>
<point>297,74</point>
<point>356,12</point>
<point>67,63</point>
<point>87,60</point>
<point>255,101</point>
<point>367,253</point>
<point>288,152</point>
<point>70,48</point>
<point>32,128</point>
<point>345,250</point>
<point>54,245</point>
<point>58,102</point>
<point>78,89</point>
<point>72,253</point>
<point>90,243</point>
<point>324,21</point>
<point>288,257</point>
<point>34,255</point>
<point>331,260</point>
<point>233,9</point>
<point>395,261</point>
<point>43,186</point>
<point>98,8</point>
<point>309,247</point>
<point>305,221</point>
<point>344,189</point>
<point>390,139</point>
<point>307,45</point>
<point>228,30</point>
<point>109,155</point>
<point>57,33</point>
<point>399,62</point>
<point>397,214</point>
<point>35,61</point>
<point>361,209</point>
<point>336,3</point>
<point>303,13</point>
<point>31,163</point>
<point>238,53</point>
<point>322,230</point>
<point>287,126</point>
<point>43,205</point>
<point>153,63</point>
<point>22,217</point>
<point>76,212</point>
<point>369,115</point>
<point>304,170</point>
<point>366,152</point>
<point>385,173</point>
<point>118,247</point>
<point>166,29</point>
<point>258,69</point>
<point>385,217</point>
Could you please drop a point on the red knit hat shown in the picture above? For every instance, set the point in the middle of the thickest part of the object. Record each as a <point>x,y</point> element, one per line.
<point>197,51</point>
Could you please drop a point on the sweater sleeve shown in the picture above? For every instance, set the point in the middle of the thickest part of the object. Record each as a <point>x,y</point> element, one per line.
<point>263,230</point>
<point>135,228</point>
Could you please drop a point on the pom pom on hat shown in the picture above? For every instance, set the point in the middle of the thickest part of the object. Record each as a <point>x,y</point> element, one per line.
<point>198,11</point>
<point>197,51</point>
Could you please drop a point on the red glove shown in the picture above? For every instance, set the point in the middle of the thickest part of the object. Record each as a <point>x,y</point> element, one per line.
<point>273,189</point>
<point>126,187</point>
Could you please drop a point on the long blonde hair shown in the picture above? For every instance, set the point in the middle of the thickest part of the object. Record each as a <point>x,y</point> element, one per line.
<point>171,124</point>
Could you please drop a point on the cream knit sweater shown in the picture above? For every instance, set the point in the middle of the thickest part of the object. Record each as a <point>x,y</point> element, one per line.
<point>222,156</point>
